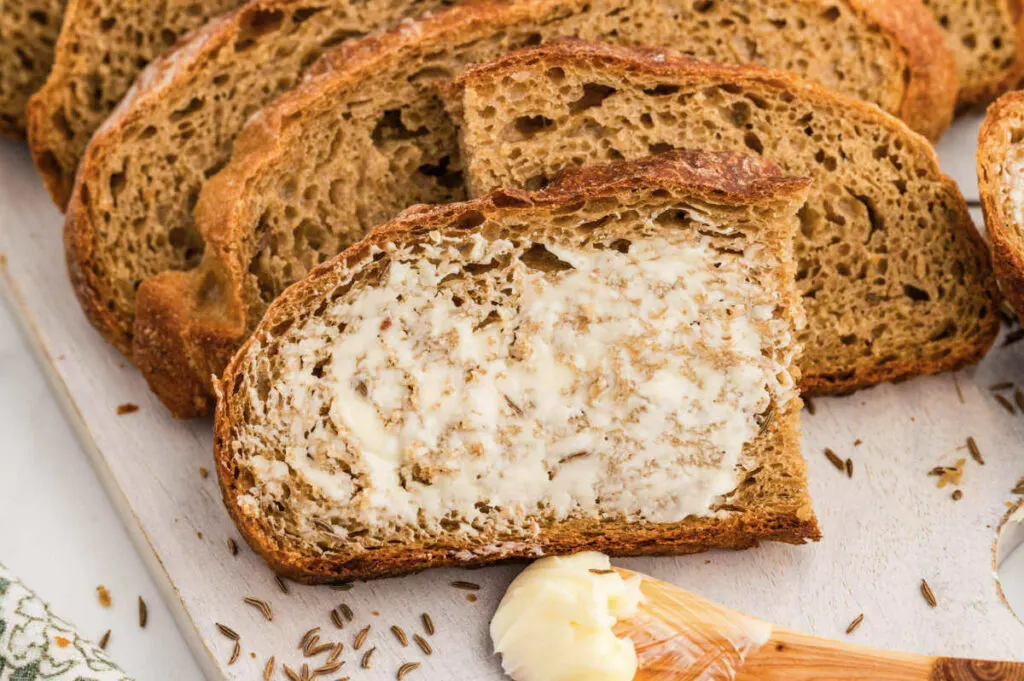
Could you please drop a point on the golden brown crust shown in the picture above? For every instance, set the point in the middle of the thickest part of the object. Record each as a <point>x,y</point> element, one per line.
<point>225,212</point>
<point>721,178</point>
<point>1004,233</point>
<point>932,82</point>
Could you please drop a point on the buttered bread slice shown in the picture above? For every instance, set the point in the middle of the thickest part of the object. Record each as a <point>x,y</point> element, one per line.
<point>895,279</point>
<point>606,364</point>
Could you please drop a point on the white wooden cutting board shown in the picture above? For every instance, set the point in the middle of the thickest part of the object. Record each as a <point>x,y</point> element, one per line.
<point>885,529</point>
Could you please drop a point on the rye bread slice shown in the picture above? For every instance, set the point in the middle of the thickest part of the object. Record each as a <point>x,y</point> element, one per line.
<point>527,374</point>
<point>1001,184</point>
<point>896,281</point>
<point>101,49</point>
<point>365,136</point>
<point>28,33</point>
<point>987,41</point>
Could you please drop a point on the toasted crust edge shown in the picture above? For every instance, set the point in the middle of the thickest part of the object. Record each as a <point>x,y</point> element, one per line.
<point>794,525</point>
<point>1007,258</point>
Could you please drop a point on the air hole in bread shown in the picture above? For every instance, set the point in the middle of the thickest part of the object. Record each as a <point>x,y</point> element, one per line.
<point>302,14</point>
<point>662,90</point>
<point>916,294</point>
<point>391,127</point>
<point>194,105</point>
<point>753,142</point>
<point>593,95</point>
<point>538,257</point>
<point>442,174</point>
<point>528,126</point>
<point>257,23</point>
<point>430,73</point>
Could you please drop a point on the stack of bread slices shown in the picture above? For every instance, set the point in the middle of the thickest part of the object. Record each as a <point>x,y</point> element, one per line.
<point>651,227</point>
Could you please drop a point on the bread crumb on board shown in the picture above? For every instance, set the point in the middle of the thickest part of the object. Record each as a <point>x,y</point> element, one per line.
<point>103,594</point>
<point>127,408</point>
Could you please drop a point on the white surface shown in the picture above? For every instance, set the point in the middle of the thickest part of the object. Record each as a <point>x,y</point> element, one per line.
<point>884,530</point>
<point>59,532</point>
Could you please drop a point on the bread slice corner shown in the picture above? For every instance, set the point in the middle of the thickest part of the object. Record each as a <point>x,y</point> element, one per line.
<point>520,375</point>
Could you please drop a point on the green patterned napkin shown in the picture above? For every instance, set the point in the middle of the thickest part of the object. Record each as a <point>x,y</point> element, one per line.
<point>35,645</point>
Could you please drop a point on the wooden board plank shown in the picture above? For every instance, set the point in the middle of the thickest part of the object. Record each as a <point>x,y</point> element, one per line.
<point>885,529</point>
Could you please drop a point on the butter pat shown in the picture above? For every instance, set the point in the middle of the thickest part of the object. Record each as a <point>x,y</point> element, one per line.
<point>555,621</point>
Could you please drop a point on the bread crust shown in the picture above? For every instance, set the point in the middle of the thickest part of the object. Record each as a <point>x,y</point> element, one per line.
<point>1004,233</point>
<point>723,179</point>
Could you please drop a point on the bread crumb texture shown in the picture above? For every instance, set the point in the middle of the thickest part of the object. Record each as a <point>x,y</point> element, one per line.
<point>28,32</point>
<point>485,386</point>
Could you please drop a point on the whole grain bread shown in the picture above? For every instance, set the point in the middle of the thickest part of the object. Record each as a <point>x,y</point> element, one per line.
<point>987,41</point>
<point>103,47</point>
<point>1001,184</point>
<point>896,280</point>
<point>28,32</point>
<point>402,406</point>
<point>365,135</point>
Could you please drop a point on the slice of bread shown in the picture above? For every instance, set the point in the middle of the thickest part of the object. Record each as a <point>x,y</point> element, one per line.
<point>103,46</point>
<point>987,40</point>
<point>28,32</point>
<point>895,278</point>
<point>1001,184</point>
<point>365,136</point>
<point>605,365</point>
<point>131,215</point>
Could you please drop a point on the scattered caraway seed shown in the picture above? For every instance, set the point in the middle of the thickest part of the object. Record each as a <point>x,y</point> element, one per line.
<point>959,393</point>
<point>104,640</point>
<point>203,473</point>
<point>361,637</point>
<point>855,623</point>
<point>809,403</point>
<point>143,613</point>
<point>232,547</point>
<point>322,648</point>
<point>602,572</point>
<point>307,649</point>
<point>346,611</point>
<point>304,641</point>
<point>858,442</point>
<point>291,674</point>
<point>929,596</point>
<point>1013,337</point>
<point>849,468</point>
<point>428,624</point>
<point>1004,403</point>
<point>268,671</point>
<point>227,631</point>
<point>365,662</point>
<point>406,668</point>
<point>1019,489</point>
<point>468,586</point>
<point>337,620</point>
<point>836,461</point>
<point>400,635</point>
<point>957,495</point>
<point>281,584</point>
<point>328,668</point>
<point>305,672</point>
<point>235,653</point>
<point>1018,397</point>
<point>260,605</point>
<point>127,408</point>
<point>341,587</point>
<point>972,447</point>
<point>336,653</point>
<point>422,643</point>
<point>1005,385</point>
